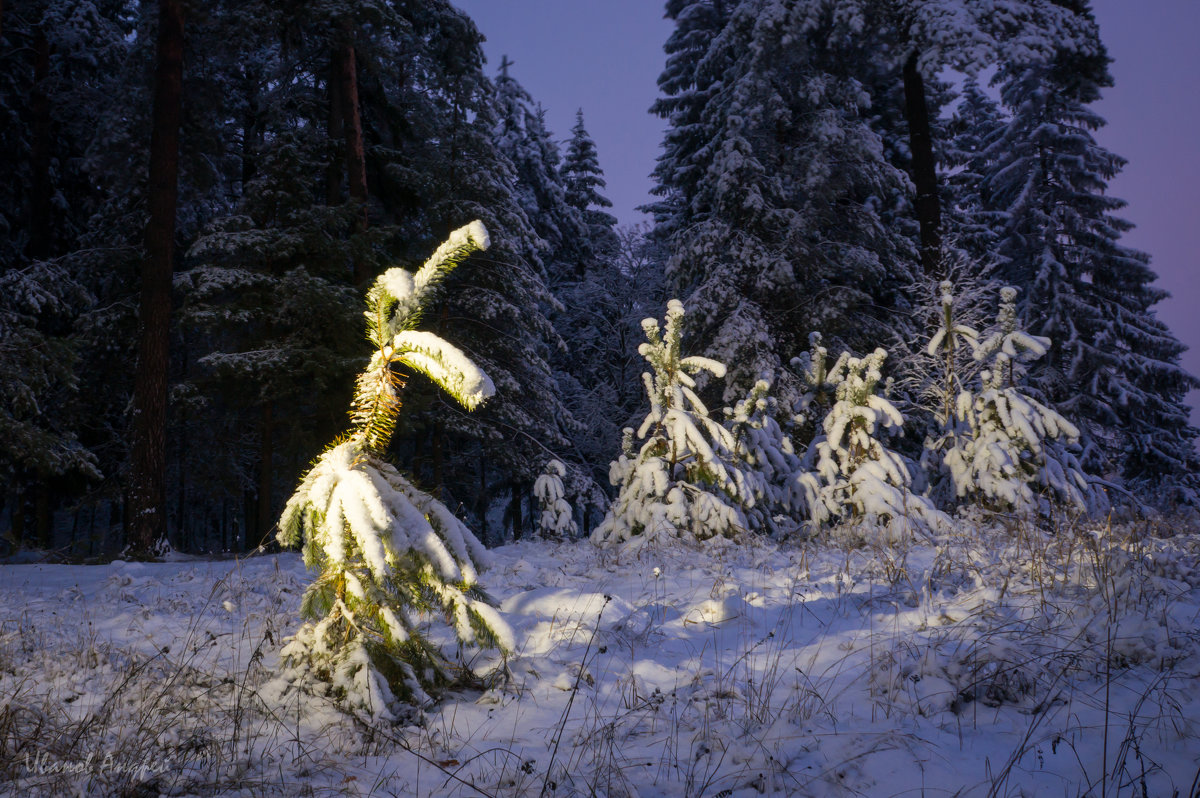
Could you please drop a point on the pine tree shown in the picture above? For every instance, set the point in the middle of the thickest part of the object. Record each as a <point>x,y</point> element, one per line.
<point>940,374</point>
<point>61,64</point>
<point>599,302</point>
<point>850,474</point>
<point>39,383</point>
<point>681,483</point>
<point>387,551</point>
<point>768,466</point>
<point>780,187</point>
<point>976,121</point>
<point>1012,442</point>
<point>1112,365</point>
<point>521,136</point>
<point>148,460</point>
<point>557,520</point>
<point>583,178</point>
<point>686,90</point>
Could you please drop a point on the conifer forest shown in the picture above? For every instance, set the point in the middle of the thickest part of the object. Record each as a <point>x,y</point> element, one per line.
<point>351,445</point>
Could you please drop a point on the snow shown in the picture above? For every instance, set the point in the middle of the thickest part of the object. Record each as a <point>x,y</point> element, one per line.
<point>446,365</point>
<point>977,664</point>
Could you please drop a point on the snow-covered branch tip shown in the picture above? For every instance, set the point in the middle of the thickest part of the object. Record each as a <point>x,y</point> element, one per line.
<point>394,306</point>
<point>398,297</point>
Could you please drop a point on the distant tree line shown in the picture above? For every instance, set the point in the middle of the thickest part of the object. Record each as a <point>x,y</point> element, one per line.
<point>194,198</point>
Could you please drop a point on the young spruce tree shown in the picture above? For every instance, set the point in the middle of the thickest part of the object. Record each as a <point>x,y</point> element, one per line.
<point>1010,442</point>
<point>682,483</point>
<point>388,552</point>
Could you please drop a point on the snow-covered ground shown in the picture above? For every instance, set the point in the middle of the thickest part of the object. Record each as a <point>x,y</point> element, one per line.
<point>1001,663</point>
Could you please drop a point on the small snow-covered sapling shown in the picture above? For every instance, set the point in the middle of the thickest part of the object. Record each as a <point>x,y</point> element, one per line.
<point>390,556</point>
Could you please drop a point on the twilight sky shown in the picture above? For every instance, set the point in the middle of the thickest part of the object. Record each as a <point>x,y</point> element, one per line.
<point>605,56</point>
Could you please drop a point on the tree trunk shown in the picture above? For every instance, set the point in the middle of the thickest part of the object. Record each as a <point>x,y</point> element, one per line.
<point>147,496</point>
<point>356,163</point>
<point>438,460</point>
<point>514,506</point>
<point>924,169</point>
<point>17,513</point>
<point>43,515</point>
<point>266,468</point>
<point>336,134</point>
<point>39,106</point>
<point>250,126</point>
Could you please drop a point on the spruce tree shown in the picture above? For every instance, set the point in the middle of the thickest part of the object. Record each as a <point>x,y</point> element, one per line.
<point>1112,366</point>
<point>686,90</point>
<point>522,137</point>
<point>61,66</point>
<point>779,191</point>
<point>583,178</point>
<point>682,483</point>
<point>768,466</point>
<point>557,519</point>
<point>1008,443</point>
<point>850,473</point>
<point>389,553</point>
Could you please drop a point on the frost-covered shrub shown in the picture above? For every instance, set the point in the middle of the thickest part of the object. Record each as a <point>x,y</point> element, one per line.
<point>557,520</point>
<point>950,344</point>
<point>1008,444</point>
<point>850,474</point>
<point>680,484</point>
<point>388,553</point>
<point>948,364</point>
<point>821,381</point>
<point>767,464</point>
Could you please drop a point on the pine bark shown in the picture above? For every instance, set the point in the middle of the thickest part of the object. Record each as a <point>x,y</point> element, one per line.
<point>266,471</point>
<point>147,494</point>
<point>336,134</point>
<point>356,162</point>
<point>39,105</point>
<point>17,514</point>
<point>924,169</point>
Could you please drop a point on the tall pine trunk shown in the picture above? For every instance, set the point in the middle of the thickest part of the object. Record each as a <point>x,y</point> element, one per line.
<point>265,518</point>
<point>336,135</point>
<point>147,494</point>
<point>356,162</point>
<point>17,514</point>
<point>39,104</point>
<point>924,169</point>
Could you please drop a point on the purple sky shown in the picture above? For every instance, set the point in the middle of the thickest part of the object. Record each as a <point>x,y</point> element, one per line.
<point>605,56</point>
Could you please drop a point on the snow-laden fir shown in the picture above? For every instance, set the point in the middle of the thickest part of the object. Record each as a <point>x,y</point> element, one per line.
<point>680,483</point>
<point>389,553</point>
<point>557,519</point>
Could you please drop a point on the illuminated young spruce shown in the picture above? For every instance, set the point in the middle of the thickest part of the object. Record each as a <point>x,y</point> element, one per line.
<point>391,557</point>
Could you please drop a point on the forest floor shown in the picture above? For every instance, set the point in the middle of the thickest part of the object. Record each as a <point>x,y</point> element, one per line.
<point>997,662</point>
